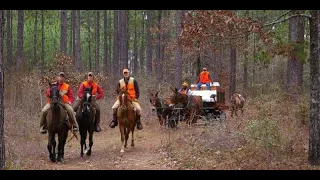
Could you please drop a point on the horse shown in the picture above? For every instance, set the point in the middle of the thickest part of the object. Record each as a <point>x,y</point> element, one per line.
<point>192,105</point>
<point>161,106</point>
<point>126,119</point>
<point>85,118</point>
<point>57,124</point>
<point>237,102</point>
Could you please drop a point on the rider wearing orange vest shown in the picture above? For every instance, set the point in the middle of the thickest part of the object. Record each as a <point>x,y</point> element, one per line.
<point>66,99</point>
<point>204,78</point>
<point>97,93</point>
<point>131,84</point>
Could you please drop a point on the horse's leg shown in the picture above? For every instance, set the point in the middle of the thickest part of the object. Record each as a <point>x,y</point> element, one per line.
<point>64,140</point>
<point>90,141</point>
<point>126,134</point>
<point>50,147</point>
<point>121,127</point>
<point>60,146</point>
<point>82,140</point>
<point>53,147</point>
<point>132,137</point>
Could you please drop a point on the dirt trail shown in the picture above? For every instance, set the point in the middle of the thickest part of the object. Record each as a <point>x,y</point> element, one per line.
<point>146,154</point>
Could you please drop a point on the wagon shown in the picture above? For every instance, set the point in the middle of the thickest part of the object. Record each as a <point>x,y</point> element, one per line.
<point>214,105</point>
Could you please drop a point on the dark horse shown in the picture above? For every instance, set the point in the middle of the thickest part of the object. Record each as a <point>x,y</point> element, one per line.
<point>161,106</point>
<point>57,124</point>
<point>126,118</point>
<point>85,119</point>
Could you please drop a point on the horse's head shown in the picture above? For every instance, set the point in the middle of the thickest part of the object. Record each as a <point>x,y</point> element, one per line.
<point>86,100</point>
<point>178,97</point>
<point>153,98</point>
<point>54,94</point>
<point>123,98</point>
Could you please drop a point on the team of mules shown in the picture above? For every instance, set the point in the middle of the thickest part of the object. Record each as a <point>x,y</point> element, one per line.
<point>191,107</point>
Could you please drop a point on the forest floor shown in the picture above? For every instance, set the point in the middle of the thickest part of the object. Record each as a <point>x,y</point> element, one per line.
<point>216,145</point>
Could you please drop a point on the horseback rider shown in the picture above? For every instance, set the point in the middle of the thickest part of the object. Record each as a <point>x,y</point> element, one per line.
<point>66,100</point>
<point>97,93</point>
<point>131,84</point>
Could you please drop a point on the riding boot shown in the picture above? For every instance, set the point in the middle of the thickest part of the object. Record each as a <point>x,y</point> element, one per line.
<point>43,126</point>
<point>114,121</point>
<point>139,125</point>
<point>97,121</point>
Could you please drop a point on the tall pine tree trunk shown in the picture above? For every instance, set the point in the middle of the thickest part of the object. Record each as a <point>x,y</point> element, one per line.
<point>142,50</point>
<point>77,41</point>
<point>35,61</point>
<point>2,141</point>
<point>109,67</point>
<point>149,43</point>
<point>158,48</point>
<point>245,68</point>
<point>314,137</point>
<point>97,46</point>
<point>63,38</point>
<point>20,40</point>
<point>105,49</point>
<point>178,56</point>
<point>42,42</point>
<point>115,63</point>
<point>9,38</point>
<point>135,47</point>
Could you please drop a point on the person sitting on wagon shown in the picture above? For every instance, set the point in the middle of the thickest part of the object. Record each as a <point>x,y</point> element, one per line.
<point>185,89</point>
<point>204,78</point>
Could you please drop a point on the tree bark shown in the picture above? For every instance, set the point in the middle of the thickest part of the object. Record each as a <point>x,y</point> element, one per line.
<point>9,38</point>
<point>135,47</point>
<point>149,43</point>
<point>158,48</point>
<point>314,137</point>
<point>97,46</point>
<point>20,40</point>
<point>115,63</point>
<point>71,33</point>
<point>105,58</point>
<point>63,38</point>
<point>110,43</point>
<point>89,44</point>
<point>295,64</point>
<point>2,141</point>
<point>35,61</point>
<point>42,42</point>
<point>233,64</point>
<point>77,41</point>
<point>178,56</point>
<point>245,68</point>
<point>122,39</point>
<point>142,50</point>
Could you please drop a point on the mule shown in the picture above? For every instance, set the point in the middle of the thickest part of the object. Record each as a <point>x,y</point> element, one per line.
<point>192,105</point>
<point>237,103</point>
<point>126,119</point>
<point>57,124</point>
<point>161,106</point>
<point>85,117</point>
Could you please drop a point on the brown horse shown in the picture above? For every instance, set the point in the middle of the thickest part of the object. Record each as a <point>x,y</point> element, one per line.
<point>237,102</point>
<point>126,118</point>
<point>56,122</point>
<point>192,105</point>
<point>161,106</point>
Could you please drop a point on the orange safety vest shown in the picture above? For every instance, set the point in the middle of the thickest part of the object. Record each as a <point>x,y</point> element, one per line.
<point>64,98</point>
<point>94,87</point>
<point>204,77</point>
<point>130,90</point>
